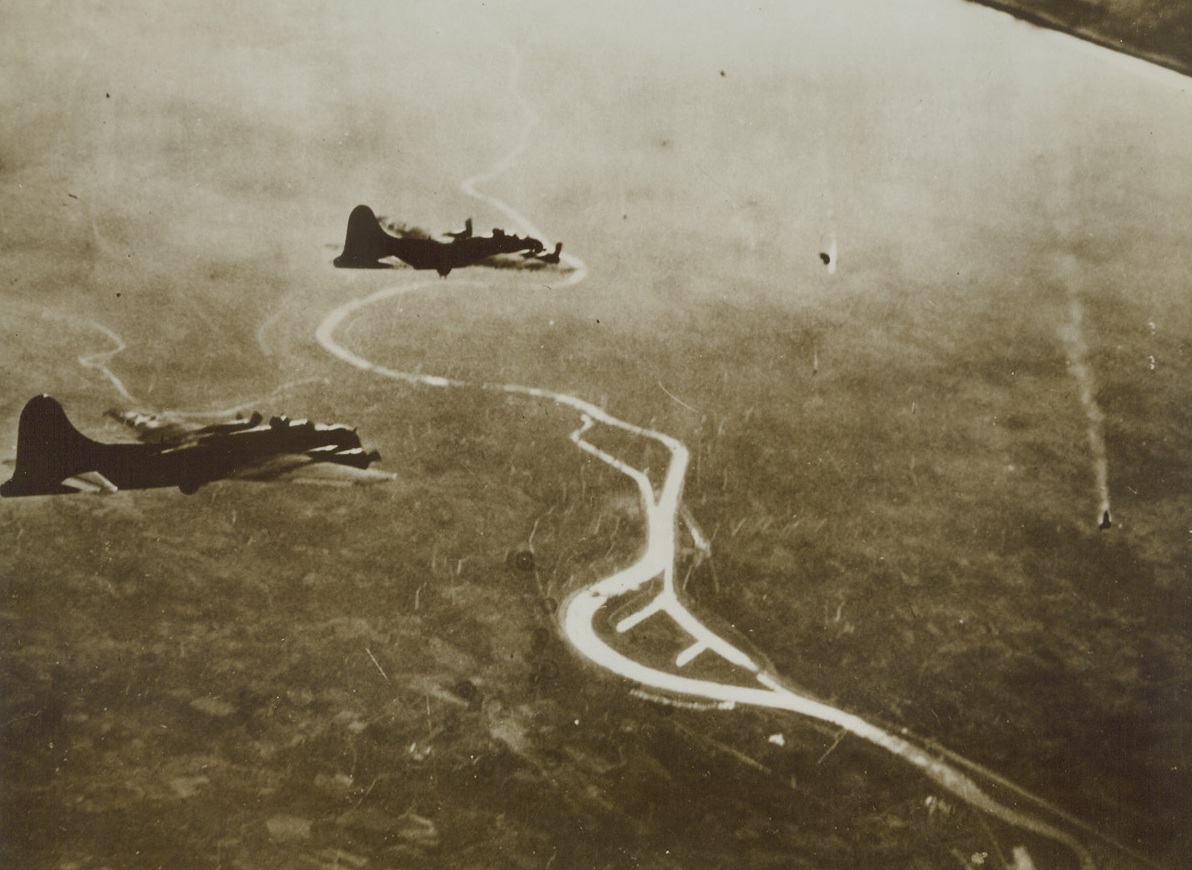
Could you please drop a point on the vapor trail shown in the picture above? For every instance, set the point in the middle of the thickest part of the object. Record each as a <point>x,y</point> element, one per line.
<point>529,119</point>
<point>98,361</point>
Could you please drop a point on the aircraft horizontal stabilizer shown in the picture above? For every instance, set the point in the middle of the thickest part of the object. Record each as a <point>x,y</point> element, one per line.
<point>91,482</point>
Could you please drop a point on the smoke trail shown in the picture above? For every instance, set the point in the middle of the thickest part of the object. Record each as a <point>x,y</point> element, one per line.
<point>1072,334</point>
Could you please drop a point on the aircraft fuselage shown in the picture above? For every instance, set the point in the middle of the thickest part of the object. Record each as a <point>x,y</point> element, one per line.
<point>51,452</point>
<point>366,244</point>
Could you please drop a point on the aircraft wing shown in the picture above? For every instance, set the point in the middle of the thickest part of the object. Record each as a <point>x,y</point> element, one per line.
<point>300,468</point>
<point>339,475</point>
<point>152,429</point>
<point>404,230</point>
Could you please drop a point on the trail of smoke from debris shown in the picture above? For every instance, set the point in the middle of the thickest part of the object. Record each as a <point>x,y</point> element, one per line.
<point>1067,271</point>
<point>1072,334</point>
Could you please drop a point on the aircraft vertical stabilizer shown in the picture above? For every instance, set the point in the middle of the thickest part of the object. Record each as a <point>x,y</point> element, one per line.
<point>365,242</point>
<point>49,450</point>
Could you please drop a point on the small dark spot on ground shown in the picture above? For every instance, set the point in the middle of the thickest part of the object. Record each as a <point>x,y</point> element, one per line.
<point>467,691</point>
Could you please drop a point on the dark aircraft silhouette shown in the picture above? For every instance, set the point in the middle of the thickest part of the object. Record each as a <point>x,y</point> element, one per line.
<point>53,457</point>
<point>366,244</point>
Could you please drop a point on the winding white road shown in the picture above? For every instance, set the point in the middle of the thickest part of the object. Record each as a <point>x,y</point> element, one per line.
<point>756,687</point>
<point>663,513</point>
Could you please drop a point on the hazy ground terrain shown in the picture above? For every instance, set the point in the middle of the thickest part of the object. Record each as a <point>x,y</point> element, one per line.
<point>893,460</point>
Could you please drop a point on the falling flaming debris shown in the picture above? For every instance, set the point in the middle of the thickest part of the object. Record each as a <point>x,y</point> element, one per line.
<point>1106,522</point>
<point>828,251</point>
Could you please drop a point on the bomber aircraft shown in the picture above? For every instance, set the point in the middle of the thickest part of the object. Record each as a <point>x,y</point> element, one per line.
<point>53,457</point>
<point>366,244</point>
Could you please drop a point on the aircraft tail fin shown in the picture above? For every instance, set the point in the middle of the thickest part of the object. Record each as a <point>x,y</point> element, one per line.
<point>49,450</point>
<point>365,242</point>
